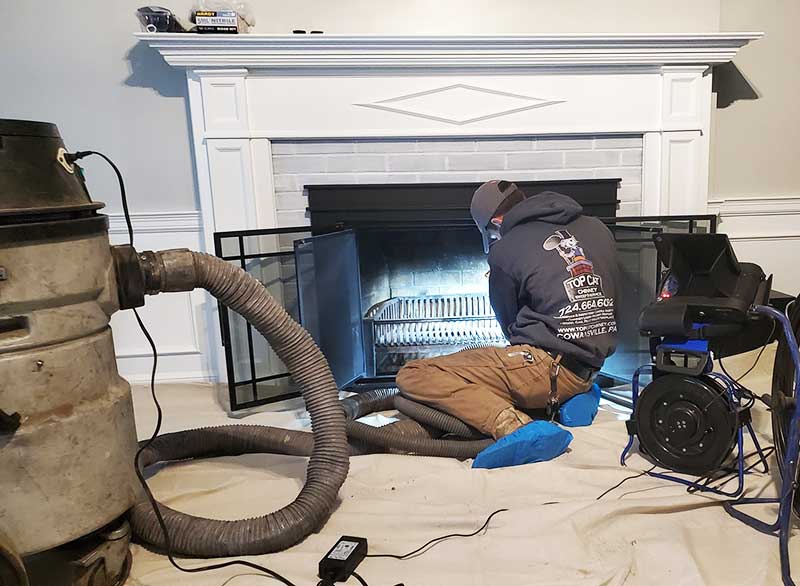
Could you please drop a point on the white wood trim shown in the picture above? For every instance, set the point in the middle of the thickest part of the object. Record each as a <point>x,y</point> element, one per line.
<point>475,51</point>
<point>394,133</point>
<point>263,183</point>
<point>779,205</point>
<point>156,222</point>
<point>231,174</point>
<point>652,194</point>
<point>201,159</point>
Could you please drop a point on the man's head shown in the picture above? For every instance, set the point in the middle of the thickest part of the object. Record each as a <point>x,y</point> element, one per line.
<point>491,202</point>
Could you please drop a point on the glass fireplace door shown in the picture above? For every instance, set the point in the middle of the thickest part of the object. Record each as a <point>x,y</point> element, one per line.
<point>329,292</point>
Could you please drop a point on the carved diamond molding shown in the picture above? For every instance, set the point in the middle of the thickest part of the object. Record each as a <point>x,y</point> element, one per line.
<point>460,104</point>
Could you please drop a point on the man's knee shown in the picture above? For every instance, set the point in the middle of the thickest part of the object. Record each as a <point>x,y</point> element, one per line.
<point>411,378</point>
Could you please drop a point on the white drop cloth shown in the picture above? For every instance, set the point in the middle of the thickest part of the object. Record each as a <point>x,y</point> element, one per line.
<point>648,532</point>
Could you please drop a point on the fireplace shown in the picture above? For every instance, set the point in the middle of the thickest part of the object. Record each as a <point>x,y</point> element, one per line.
<point>433,109</point>
<point>390,273</point>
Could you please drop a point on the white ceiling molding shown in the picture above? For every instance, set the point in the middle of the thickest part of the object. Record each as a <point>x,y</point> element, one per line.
<point>475,51</point>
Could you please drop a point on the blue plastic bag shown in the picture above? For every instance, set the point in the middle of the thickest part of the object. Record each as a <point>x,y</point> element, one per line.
<point>580,410</point>
<point>537,441</point>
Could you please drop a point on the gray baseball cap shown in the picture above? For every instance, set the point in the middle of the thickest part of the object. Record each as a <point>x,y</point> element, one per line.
<point>485,201</point>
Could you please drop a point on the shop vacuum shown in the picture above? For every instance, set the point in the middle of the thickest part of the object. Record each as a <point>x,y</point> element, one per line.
<point>69,495</point>
<point>692,421</point>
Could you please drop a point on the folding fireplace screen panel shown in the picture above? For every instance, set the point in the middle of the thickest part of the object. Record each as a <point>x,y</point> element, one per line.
<point>255,373</point>
<point>375,297</point>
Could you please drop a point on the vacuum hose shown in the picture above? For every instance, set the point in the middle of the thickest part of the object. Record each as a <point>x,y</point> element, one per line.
<point>332,421</point>
<point>183,270</point>
<point>388,439</point>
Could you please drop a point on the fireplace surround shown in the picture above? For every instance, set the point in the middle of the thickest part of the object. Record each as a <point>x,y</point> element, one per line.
<point>251,97</point>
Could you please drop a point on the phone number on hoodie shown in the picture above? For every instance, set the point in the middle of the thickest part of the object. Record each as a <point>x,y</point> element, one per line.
<point>587,305</point>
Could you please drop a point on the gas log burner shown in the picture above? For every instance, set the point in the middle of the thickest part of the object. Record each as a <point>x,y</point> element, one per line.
<point>391,273</point>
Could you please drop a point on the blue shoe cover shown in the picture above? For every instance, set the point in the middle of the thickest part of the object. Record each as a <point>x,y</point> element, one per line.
<point>535,442</point>
<point>580,409</point>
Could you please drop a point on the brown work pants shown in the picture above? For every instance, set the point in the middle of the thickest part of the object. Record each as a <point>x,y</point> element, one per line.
<point>476,385</point>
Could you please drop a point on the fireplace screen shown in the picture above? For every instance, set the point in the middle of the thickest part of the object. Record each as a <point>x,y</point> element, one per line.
<point>371,317</point>
<point>375,298</point>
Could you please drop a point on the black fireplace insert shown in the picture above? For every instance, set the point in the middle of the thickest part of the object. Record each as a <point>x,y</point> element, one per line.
<point>385,274</point>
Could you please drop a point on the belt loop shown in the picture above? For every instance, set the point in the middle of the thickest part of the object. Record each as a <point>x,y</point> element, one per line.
<point>552,398</point>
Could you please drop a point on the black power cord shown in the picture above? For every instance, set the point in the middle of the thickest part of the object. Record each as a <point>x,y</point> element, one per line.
<point>71,158</point>
<point>624,480</point>
<point>434,541</point>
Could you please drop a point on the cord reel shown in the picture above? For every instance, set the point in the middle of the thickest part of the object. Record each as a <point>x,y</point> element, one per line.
<point>686,424</point>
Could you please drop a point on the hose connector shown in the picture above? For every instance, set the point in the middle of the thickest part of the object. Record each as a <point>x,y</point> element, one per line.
<point>168,271</point>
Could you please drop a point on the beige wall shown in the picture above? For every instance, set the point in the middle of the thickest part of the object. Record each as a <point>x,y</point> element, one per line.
<point>488,16</point>
<point>755,146</point>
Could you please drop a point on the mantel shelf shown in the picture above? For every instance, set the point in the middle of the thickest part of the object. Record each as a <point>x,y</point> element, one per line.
<point>320,52</point>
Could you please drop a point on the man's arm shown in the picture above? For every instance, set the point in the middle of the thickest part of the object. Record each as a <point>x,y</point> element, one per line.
<point>503,296</point>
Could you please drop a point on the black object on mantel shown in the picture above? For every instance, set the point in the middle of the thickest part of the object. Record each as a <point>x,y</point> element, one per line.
<point>333,207</point>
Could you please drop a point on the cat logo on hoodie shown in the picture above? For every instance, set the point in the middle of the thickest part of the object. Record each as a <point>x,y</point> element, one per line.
<point>589,312</point>
<point>583,283</point>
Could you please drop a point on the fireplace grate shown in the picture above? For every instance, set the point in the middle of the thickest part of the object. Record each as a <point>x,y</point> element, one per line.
<point>408,328</point>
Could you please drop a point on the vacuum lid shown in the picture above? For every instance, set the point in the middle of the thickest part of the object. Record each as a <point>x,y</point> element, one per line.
<point>35,178</point>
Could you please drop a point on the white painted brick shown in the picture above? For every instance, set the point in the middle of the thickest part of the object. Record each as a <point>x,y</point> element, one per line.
<point>591,158</point>
<point>386,146</point>
<point>562,144</point>
<point>618,142</point>
<point>285,182</point>
<point>629,208</point>
<point>325,179</point>
<point>296,164</point>
<point>355,163</point>
<point>283,148</point>
<point>381,178</point>
<point>314,147</point>
<point>292,218</point>
<point>475,162</point>
<point>631,157</point>
<point>291,201</point>
<point>445,146</point>
<point>627,174</point>
<point>556,174</point>
<point>448,177</point>
<point>419,162</point>
<point>507,175</point>
<point>630,192</point>
<point>551,160</point>
<point>505,145</point>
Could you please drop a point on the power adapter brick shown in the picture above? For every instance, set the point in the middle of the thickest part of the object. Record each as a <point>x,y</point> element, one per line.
<point>342,560</point>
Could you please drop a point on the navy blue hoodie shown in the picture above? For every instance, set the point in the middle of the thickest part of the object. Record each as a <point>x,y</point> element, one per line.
<point>553,279</point>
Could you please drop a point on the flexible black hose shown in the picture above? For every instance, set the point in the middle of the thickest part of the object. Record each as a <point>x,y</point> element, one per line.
<point>386,438</point>
<point>435,418</point>
<point>328,463</point>
<point>362,404</point>
<point>418,446</point>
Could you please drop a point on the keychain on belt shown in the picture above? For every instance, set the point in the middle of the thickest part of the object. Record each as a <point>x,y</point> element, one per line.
<point>552,399</point>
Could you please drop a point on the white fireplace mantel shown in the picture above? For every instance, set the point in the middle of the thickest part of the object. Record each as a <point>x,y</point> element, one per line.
<point>248,91</point>
<point>475,51</point>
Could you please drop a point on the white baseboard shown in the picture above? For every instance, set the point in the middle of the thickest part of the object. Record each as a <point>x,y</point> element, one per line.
<point>177,321</point>
<point>766,231</point>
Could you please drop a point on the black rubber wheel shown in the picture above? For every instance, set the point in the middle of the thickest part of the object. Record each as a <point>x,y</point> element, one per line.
<point>783,404</point>
<point>685,423</point>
